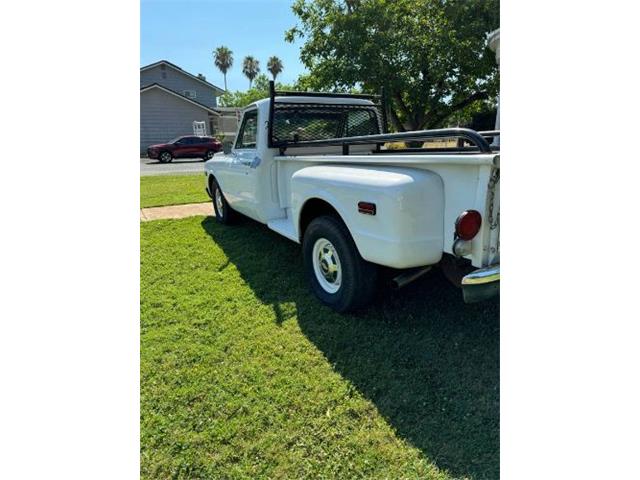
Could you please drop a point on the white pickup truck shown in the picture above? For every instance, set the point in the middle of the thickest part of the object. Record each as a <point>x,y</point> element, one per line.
<point>318,169</point>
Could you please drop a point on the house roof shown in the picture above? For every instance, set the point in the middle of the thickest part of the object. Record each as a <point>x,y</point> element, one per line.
<point>179,95</point>
<point>219,91</point>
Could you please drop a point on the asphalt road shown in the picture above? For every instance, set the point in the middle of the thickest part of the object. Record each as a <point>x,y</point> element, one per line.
<point>177,167</point>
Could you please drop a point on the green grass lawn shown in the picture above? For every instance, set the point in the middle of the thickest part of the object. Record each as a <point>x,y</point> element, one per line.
<point>245,375</point>
<point>159,190</point>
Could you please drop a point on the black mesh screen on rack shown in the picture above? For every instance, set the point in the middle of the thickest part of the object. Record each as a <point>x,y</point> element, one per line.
<point>302,122</point>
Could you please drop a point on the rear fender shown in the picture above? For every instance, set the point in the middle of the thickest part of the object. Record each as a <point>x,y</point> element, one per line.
<point>407,228</point>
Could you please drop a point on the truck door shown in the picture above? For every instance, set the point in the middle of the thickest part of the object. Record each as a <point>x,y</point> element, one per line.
<point>242,168</point>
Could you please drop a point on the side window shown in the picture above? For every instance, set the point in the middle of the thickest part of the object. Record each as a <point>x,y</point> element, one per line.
<point>248,131</point>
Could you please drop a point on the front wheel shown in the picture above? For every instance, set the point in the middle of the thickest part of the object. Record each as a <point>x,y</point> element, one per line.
<point>338,275</point>
<point>166,157</point>
<point>224,213</point>
<point>209,155</point>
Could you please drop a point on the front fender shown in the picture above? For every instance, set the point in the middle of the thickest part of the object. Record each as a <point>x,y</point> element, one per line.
<point>407,229</point>
<point>218,167</point>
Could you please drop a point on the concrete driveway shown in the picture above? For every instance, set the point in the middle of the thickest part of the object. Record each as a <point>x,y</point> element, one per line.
<point>177,167</point>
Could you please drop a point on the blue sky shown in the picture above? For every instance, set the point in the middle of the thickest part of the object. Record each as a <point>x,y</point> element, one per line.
<point>186,32</point>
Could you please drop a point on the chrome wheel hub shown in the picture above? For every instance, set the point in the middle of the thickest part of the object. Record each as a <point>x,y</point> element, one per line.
<point>219,202</point>
<point>326,265</point>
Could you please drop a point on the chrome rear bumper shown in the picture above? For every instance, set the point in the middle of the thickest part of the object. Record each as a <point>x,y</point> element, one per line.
<point>481,284</point>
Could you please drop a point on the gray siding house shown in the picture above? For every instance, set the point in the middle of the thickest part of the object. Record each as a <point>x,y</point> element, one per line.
<point>171,100</point>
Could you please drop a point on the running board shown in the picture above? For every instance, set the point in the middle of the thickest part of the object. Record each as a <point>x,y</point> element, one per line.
<point>284,227</point>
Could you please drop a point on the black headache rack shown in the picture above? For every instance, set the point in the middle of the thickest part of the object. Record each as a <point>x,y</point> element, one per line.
<point>329,118</point>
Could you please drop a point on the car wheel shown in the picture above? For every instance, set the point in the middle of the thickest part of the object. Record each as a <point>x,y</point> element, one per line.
<point>338,275</point>
<point>224,213</point>
<point>165,157</point>
<point>209,155</point>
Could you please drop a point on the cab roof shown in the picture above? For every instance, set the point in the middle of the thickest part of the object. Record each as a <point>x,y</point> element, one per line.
<point>315,99</point>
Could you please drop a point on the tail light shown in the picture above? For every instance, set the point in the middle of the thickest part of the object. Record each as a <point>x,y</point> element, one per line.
<point>468,224</point>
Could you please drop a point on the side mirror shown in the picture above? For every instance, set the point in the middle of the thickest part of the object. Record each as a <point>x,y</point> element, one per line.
<point>226,147</point>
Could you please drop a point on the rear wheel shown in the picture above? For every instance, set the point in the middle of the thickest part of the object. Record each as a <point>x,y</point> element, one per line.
<point>338,275</point>
<point>165,157</point>
<point>224,213</point>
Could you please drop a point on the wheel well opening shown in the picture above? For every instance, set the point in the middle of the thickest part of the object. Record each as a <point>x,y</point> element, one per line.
<point>314,208</point>
<point>210,179</point>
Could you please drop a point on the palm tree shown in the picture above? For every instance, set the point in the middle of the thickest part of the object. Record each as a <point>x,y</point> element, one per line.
<point>250,68</point>
<point>274,65</point>
<point>223,59</point>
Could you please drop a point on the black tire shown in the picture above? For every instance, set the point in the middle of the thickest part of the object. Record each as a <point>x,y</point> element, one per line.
<point>209,155</point>
<point>224,214</point>
<point>165,157</point>
<point>358,277</point>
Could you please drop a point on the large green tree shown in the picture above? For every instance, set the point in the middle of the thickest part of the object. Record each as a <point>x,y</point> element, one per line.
<point>430,56</point>
<point>223,59</point>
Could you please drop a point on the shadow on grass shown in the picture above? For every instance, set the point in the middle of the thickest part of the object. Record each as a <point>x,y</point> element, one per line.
<point>427,361</point>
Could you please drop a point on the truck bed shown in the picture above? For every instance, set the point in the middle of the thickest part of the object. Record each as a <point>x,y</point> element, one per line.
<point>466,183</point>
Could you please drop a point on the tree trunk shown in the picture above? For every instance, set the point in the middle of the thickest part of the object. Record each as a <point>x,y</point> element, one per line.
<point>395,119</point>
<point>436,120</point>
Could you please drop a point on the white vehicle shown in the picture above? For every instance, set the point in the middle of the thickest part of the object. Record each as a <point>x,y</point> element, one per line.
<point>314,168</point>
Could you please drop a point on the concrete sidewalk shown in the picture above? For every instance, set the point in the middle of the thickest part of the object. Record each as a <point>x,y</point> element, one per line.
<point>176,211</point>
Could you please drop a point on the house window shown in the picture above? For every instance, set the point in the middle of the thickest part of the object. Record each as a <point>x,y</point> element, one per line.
<point>189,93</point>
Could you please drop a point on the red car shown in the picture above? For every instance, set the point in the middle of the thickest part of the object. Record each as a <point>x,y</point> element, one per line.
<point>185,147</point>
